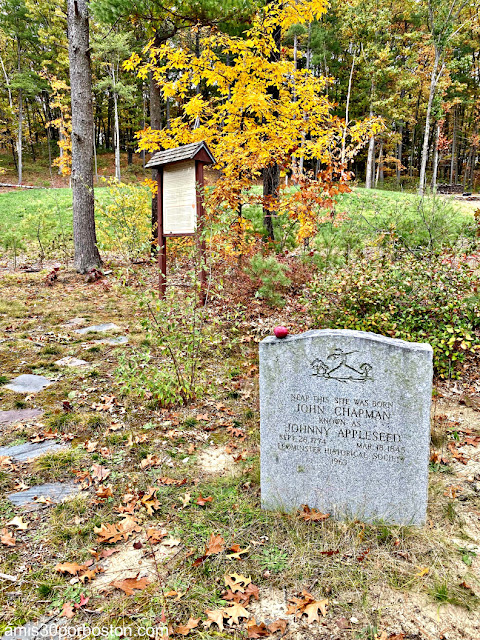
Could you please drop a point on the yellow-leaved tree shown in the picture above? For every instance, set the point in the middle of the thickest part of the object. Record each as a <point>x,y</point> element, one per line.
<point>255,109</point>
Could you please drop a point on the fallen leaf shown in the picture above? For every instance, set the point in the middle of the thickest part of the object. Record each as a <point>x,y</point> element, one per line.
<point>278,625</point>
<point>237,582</point>
<point>154,536</point>
<point>130,584</point>
<point>70,567</point>
<point>7,538</point>
<point>18,522</point>
<point>215,545</point>
<point>423,571</point>
<point>83,601</point>
<point>67,610</point>
<point>312,515</point>
<point>235,612</point>
<point>99,473</point>
<point>186,499</point>
<point>171,481</point>
<point>255,630</point>
<point>184,630</point>
<point>103,492</point>
<point>306,603</point>
<point>214,617</point>
<point>313,608</point>
<point>237,552</point>
<point>201,501</point>
<point>343,623</point>
<point>150,501</point>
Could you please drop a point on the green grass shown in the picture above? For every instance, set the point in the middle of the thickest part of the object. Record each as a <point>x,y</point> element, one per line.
<point>15,205</point>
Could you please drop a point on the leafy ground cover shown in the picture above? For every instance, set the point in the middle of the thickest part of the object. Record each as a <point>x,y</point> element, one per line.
<point>167,529</point>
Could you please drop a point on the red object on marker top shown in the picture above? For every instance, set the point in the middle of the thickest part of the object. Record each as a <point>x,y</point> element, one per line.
<point>280,332</point>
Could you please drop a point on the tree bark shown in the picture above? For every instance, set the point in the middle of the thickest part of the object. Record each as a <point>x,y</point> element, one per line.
<point>436,158</point>
<point>369,173</point>
<point>20,121</point>
<point>433,85</point>
<point>155,123</point>
<point>84,236</point>
<point>271,174</point>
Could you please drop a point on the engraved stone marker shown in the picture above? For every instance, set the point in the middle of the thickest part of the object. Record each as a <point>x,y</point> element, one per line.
<point>345,425</point>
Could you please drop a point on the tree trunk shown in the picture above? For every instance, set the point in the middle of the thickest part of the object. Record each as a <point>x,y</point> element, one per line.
<point>155,123</point>
<point>347,111</point>
<point>19,136</point>
<point>436,158</point>
<point>271,174</point>
<point>370,164</point>
<point>84,237</point>
<point>118,174</point>
<point>433,85</point>
<point>20,119</point>
<point>369,173</point>
<point>398,170</point>
<point>454,148</point>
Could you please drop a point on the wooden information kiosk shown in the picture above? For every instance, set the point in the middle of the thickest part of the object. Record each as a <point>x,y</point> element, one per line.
<point>180,199</point>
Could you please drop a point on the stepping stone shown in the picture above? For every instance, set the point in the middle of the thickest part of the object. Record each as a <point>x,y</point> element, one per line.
<point>18,415</point>
<point>113,341</point>
<point>46,628</point>
<point>23,452</point>
<point>69,361</point>
<point>98,328</point>
<point>28,383</point>
<point>56,491</point>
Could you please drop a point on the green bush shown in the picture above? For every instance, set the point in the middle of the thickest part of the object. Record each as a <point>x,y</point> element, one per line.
<point>270,277</point>
<point>429,300</point>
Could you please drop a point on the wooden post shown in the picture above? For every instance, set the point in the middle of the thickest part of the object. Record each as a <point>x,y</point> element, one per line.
<point>162,241</point>
<point>199,179</point>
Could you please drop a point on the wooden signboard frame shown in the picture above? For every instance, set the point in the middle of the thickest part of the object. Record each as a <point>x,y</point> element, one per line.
<point>200,155</point>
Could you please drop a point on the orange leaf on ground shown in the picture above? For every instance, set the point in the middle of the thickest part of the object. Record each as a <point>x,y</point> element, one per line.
<point>7,538</point>
<point>237,552</point>
<point>235,612</point>
<point>215,545</point>
<point>312,515</point>
<point>70,567</point>
<point>201,501</point>
<point>255,630</point>
<point>129,584</point>
<point>278,625</point>
<point>312,610</point>
<point>99,473</point>
<point>237,582</point>
<point>67,610</point>
<point>155,536</point>
<point>186,628</point>
<point>214,617</point>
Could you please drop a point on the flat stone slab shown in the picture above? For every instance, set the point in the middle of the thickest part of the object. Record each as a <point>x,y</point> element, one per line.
<point>70,361</point>
<point>46,628</point>
<point>31,450</point>
<point>345,425</point>
<point>55,491</point>
<point>28,383</point>
<point>98,328</point>
<point>18,415</point>
<point>113,341</point>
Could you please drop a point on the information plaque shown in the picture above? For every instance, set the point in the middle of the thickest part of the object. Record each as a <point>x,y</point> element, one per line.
<point>179,199</point>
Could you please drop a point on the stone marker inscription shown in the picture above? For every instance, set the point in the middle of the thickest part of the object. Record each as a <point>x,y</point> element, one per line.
<point>345,425</point>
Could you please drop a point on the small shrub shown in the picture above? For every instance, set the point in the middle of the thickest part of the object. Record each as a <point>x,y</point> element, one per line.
<point>419,301</point>
<point>125,222</point>
<point>271,277</point>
